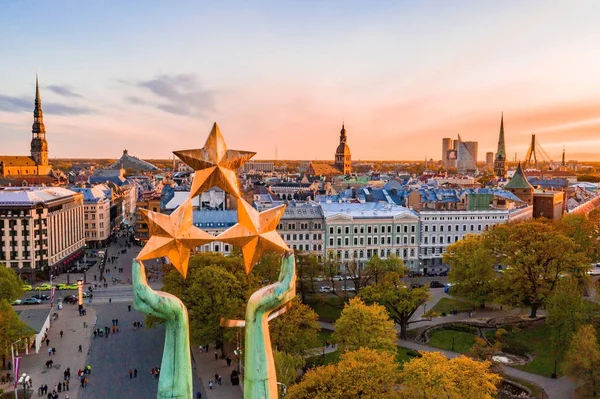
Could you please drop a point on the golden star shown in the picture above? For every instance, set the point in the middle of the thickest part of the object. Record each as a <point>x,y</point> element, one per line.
<point>214,164</point>
<point>255,233</point>
<point>173,236</point>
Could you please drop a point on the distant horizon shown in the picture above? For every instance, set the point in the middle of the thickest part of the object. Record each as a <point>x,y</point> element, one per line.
<point>281,78</point>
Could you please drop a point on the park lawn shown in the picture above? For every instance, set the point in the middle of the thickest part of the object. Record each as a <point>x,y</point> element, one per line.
<point>324,335</point>
<point>442,339</point>
<point>403,355</point>
<point>445,305</point>
<point>536,339</point>
<point>328,309</point>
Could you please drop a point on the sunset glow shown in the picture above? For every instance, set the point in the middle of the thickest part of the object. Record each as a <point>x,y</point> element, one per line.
<point>283,76</point>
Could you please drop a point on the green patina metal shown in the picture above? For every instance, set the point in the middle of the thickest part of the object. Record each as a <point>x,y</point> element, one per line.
<point>260,380</point>
<point>176,368</point>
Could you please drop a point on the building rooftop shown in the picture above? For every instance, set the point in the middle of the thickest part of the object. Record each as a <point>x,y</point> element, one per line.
<point>93,194</point>
<point>130,162</point>
<point>214,219</point>
<point>34,318</point>
<point>296,210</point>
<point>367,210</point>
<point>30,196</point>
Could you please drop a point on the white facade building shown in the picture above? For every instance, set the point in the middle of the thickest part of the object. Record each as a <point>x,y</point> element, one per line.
<point>355,232</point>
<point>41,229</point>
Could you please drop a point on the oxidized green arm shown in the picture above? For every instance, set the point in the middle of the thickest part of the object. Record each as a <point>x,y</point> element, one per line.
<point>260,380</point>
<point>176,368</point>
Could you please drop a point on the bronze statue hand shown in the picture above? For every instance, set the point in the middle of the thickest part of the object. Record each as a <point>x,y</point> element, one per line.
<point>176,368</point>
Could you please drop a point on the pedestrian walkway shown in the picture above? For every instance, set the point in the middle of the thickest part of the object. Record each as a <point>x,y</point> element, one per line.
<point>206,367</point>
<point>67,351</point>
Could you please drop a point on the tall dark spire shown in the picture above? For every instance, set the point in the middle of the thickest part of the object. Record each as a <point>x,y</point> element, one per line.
<point>343,134</point>
<point>500,165</point>
<point>501,146</point>
<point>39,145</point>
<point>38,129</point>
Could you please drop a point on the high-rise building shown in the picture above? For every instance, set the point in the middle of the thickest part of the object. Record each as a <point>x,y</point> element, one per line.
<point>41,230</point>
<point>448,153</point>
<point>343,159</point>
<point>466,156</point>
<point>500,166</point>
<point>37,163</point>
<point>489,159</point>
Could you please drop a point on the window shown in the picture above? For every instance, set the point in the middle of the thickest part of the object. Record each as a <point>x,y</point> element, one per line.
<point>406,228</point>
<point>389,230</point>
<point>368,240</point>
<point>368,230</point>
<point>375,229</point>
<point>339,242</point>
<point>405,240</point>
<point>331,230</point>
<point>331,242</point>
<point>425,241</point>
<point>426,228</point>
<point>412,228</point>
<point>412,239</point>
<point>347,230</point>
<point>433,240</point>
<point>346,243</point>
<point>374,240</point>
<point>339,230</point>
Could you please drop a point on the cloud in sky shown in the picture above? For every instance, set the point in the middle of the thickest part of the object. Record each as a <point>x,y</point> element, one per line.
<point>179,94</point>
<point>63,90</point>
<point>25,104</point>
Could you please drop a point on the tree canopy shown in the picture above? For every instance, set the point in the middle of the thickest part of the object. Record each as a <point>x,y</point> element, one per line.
<point>11,285</point>
<point>11,328</point>
<point>400,301</point>
<point>565,312</point>
<point>471,269</point>
<point>287,366</point>
<point>434,376</point>
<point>365,374</point>
<point>582,360</point>
<point>295,331</point>
<point>364,326</point>
<point>537,257</point>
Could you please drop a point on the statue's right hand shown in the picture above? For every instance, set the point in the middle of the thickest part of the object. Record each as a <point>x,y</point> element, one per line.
<point>145,299</point>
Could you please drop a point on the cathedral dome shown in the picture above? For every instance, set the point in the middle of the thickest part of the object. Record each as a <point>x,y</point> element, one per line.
<point>343,149</point>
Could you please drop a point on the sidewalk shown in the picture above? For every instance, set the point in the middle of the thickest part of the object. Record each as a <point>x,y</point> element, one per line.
<point>206,367</point>
<point>67,351</point>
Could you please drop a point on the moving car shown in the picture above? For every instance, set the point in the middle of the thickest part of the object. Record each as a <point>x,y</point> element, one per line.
<point>26,287</point>
<point>31,301</point>
<point>86,294</point>
<point>70,299</point>
<point>41,297</point>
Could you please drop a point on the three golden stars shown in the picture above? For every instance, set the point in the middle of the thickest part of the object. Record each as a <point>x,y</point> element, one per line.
<point>174,236</point>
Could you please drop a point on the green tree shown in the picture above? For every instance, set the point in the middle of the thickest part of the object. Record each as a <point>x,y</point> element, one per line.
<point>580,229</point>
<point>11,285</point>
<point>11,329</point>
<point>287,366</point>
<point>400,301</point>
<point>295,331</point>
<point>375,270</point>
<point>210,292</point>
<point>471,269</point>
<point>582,360</point>
<point>364,326</point>
<point>434,376</point>
<point>308,268</point>
<point>537,257</point>
<point>565,312</point>
<point>365,374</point>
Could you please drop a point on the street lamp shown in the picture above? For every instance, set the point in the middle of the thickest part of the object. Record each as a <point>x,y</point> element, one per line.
<point>12,352</point>
<point>23,380</point>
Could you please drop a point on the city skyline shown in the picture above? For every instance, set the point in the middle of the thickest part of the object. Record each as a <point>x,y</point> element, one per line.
<point>146,76</point>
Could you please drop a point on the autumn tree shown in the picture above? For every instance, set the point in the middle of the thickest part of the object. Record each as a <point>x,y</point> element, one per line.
<point>295,331</point>
<point>434,376</point>
<point>537,256</point>
<point>11,329</point>
<point>364,326</point>
<point>582,231</point>
<point>582,360</point>
<point>287,366</point>
<point>471,269</point>
<point>565,312</point>
<point>400,301</point>
<point>11,285</point>
<point>364,373</point>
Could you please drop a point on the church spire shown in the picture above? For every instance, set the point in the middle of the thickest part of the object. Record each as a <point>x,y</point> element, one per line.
<point>501,146</point>
<point>38,129</point>
<point>343,134</point>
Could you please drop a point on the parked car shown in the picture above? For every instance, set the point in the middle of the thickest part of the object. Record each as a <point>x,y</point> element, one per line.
<point>436,284</point>
<point>41,297</point>
<point>17,302</point>
<point>338,278</point>
<point>349,289</point>
<point>67,286</point>
<point>26,287</point>
<point>31,301</point>
<point>325,288</point>
<point>416,285</point>
<point>70,299</point>
<point>43,287</point>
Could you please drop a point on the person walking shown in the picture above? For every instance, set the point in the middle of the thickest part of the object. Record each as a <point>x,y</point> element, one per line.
<point>61,333</point>
<point>216,356</point>
<point>198,395</point>
<point>129,308</point>
<point>130,374</point>
<point>135,373</point>
<point>80,349</point>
